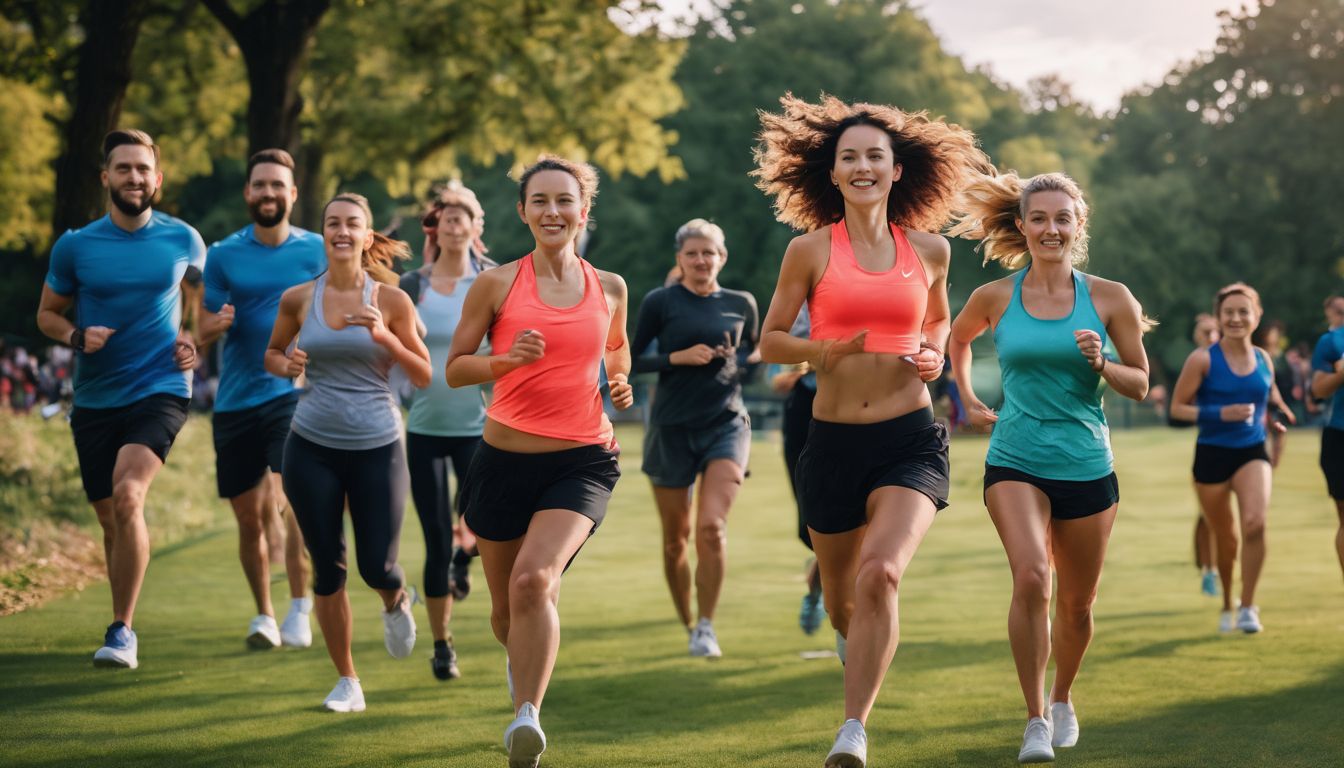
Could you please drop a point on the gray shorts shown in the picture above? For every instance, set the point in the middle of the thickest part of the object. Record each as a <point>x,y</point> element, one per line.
<point>674,455</point>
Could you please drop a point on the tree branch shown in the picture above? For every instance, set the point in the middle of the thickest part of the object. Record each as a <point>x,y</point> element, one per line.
<point>221,10</point>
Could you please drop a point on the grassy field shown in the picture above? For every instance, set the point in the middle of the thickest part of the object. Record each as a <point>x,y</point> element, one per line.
<point>1160,686</point>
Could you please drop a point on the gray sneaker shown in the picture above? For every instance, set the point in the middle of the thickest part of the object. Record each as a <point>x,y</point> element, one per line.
<point>1036,742</point>
<point>399,629</point>
<point>851,747</point>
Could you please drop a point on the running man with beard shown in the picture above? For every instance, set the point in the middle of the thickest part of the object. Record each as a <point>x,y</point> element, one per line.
<point>245,274</point>
<point>123,275</point>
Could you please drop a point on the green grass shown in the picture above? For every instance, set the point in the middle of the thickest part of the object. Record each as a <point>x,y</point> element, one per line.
<point>1160,687</point>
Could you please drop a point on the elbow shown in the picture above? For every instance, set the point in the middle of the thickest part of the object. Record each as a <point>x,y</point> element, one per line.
<point>453,374</point>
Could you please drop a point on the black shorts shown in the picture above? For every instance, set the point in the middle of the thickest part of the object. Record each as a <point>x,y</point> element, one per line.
<point>675,455</point>
<point>1069,499</point>
<point>1215,464</point>
<point>249,441</point>
<point>1332,461</point>
<point>101,432</point>
<point>504,489</point>
<point>843,463</point>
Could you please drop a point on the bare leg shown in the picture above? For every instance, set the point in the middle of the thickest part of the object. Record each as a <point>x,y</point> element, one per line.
<point>719,485</point>
<point>1204,544</point>
<point>249,508</point>
<point>337,623</point>
<point>128,550</point>
<point>1251,484</point>
<point>1021,513</point>
<point>1079,548</point>
<point>1216,500</point>
<point>838,563</point>
<point>674,511</point>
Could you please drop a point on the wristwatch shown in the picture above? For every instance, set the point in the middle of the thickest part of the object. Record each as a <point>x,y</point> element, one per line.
<point>77,339</point>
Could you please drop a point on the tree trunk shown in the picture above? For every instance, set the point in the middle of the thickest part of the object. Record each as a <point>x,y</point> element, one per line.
<point>311,187</point>
<point>96,94</point>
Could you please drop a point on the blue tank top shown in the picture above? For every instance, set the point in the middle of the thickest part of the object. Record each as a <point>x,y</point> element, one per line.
<point>1221,387</point>
<point>1051,424</point>
<point>348,404</point>
<point>439,409</point>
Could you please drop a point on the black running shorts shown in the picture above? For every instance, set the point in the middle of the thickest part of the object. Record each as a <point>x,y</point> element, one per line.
<point>250,441</point>
<point>101,432</point>
<point>1069,499</point>
<point>1215,464</point>
<point>503,489</point>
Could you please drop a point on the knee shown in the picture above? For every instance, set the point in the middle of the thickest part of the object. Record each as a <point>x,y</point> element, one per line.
<point>712,534</point>
<point>1032,584</point>
<point>251,526</point>
<point>877,579</point>
<point>530,589</point>
<point>381,574</point>
<point>674,547</point>
<point>1075,609</point>
<point>328,580</point>
<point>128,500</point>
<point>1253,531</point>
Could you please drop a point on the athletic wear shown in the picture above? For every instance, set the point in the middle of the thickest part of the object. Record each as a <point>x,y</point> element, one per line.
<point>439,409</point>
<point>128,281</point>
<point>1332,461</point>
<point>100,433</point>
<point>1248,619</point>
<point>347,696</point>
<point>1036,746</point>
<point>250,275</point>
<point>704,643</point>
<point>851,747</point>
<point>1064,724</point>
<point>1215,464</point>
<point>428,458</point>
<point>1069,499</point>
<point>1329,349</point>
<point>444,662</point>
<point>674,454</point>
<point>119,648</point>
<point>889,305</point>
<point>844,463</point>
<point>1051,424</point>
<point>523,739</point>
<point>399,629</point>
<point>797,420</point>
<point>1221,386</point>
<point>295,631</point>
<point>556,396</point>
<point>262,633</point>
<point>320,481</point>
<point>349,404</point>
<point>695,396</point>
<point>250,441</point>
<point>505,489</point>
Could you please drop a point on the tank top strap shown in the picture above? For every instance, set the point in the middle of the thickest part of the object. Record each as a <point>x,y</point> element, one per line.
<point>592,285</point>
<point>842,250</point>
<point>907,258</point>
<point>1218,362</point>
<point>368,287</point>
<point>315,301</point>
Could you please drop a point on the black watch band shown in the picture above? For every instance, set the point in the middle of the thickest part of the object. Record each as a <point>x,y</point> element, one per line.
<point>77,339</point>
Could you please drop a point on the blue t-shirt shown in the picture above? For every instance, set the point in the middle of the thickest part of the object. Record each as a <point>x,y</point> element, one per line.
<point>1329,349</point>
<point>251,276</point>
<point>130,282</point>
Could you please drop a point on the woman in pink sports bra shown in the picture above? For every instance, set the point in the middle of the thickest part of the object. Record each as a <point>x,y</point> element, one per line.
<point>874,276</point>
<point>539,483</point>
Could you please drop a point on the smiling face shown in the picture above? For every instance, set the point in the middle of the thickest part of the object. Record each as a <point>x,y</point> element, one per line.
<point>553,208</point>
<point>1238,316</point>
<point>865,166</point>
<point>270,193</point>
<point>345,231</point>
<point>132,178</point>
<point>700,261</point>
<point>1050,226</point>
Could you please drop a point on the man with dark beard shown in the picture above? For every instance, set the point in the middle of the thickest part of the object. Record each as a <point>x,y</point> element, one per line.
<point>244,276</point>
<point>123,275</point>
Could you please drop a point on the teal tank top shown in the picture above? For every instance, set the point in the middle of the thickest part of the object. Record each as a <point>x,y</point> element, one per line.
<point>439,409</point>
<point>1051,424</point>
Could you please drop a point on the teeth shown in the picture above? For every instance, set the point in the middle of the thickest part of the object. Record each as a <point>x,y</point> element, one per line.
<point>864,183</point>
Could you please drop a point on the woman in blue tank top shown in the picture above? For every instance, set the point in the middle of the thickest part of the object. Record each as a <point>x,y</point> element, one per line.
<point>1049,484</point>
<point>1226,389</point>
<point>347,329</point>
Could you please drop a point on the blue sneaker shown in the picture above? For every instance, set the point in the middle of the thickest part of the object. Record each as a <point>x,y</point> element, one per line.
<point>809,618</point>
<point>1208,584</point>
<point>119,648</point>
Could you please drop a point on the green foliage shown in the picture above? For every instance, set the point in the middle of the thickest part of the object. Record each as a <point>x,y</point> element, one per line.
<point>27,147</point>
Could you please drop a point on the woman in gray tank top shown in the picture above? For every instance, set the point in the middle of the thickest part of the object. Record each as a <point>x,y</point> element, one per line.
<point>344,332</point>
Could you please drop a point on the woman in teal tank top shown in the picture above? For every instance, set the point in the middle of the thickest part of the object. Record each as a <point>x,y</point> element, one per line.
<point>1049,484</point>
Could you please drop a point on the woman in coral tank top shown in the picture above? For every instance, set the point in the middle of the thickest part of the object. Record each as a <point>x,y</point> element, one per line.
<point>871,184</point>
<point>539,484</point>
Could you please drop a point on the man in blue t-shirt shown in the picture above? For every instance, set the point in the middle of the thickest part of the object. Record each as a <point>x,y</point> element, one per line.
<point>123,274</point>
<point>1327,380</point>
<point>244,277</point>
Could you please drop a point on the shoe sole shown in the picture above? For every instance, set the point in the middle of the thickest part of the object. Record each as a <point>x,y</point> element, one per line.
<point>295,643</point>
<point>1036,757</point>
<point>112,664</point>
<point>525,747</point>
<point>260,642</point>
<point>844,761</point>
<point>343,709</point>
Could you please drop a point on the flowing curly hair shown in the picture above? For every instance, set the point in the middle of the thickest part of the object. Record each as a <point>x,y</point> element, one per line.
<point>796,151</point>
<point>992,203</point>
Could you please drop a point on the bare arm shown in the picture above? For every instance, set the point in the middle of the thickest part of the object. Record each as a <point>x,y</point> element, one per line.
<point>796,276</point>
<point>1129,377</point>
<point>1324,385</point>
<point>288,321</point>
<point>1183,406</point>
<point>937,256</point>
<point>974,319</point>
<point>465,367</point>
<point>398,332</point>
<point>616,355</point>
<point>1276,398</point>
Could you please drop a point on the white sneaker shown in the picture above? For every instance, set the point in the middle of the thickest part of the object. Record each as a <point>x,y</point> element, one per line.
<point>262,634</point>
<point>347,696</point>
<point>703,641</point>
<point>1227,621</point>
<point>523,739</point>
<point>296,632</point>
<point>1064,723</point>
<point>1036,742</point>
<point>399,629</point>
<point>1248,619</point>
<point>119,650</point>
<point>840,646</point>
<point>851,747</point>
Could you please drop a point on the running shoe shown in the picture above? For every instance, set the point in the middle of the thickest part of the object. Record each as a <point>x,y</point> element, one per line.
<point>703,641</point>
<point>1208,583</point>
<point>347,696</point>
<point>809,618</point>
<point>1227,621</point>
<point>459,574</point>
<point>399,629</point>
<point>262,633</point>
<point>851,747</point>
<point>1036,742</point>
<point>1248,619</point>
<point>444,663</point>
<point>1064,723</point>
<point>840,646</point>
<point>523,739</point>
<point>295,631</point>
<point>119,648</point>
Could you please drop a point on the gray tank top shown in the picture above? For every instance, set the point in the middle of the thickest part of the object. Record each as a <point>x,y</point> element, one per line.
<point>348,404</point>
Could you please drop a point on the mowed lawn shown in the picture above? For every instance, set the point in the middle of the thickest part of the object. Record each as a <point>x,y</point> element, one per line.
<point>1160,686</point>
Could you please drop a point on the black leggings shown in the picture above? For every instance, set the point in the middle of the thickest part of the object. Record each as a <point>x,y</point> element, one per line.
<point>797,418</point>
<point>320,481</point>
<point>428,457</point>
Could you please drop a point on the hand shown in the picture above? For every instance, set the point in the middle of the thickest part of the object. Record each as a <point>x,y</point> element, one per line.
<point>979,414</point>
<point>1339,364</point>
<point>622,394</point>
<point>298,363</point>
<point>1239,412</point>
<point>928,361</point>
<point>221,322</point>
<point>1089,343</point>
<point>700,354</point>
<point>528,347</point>
<point>95,337</point>
<point>785,381</point>
<point>184,351</point>
<point>727,349</point>
<point>371,317</point>
<point>834,349</point>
